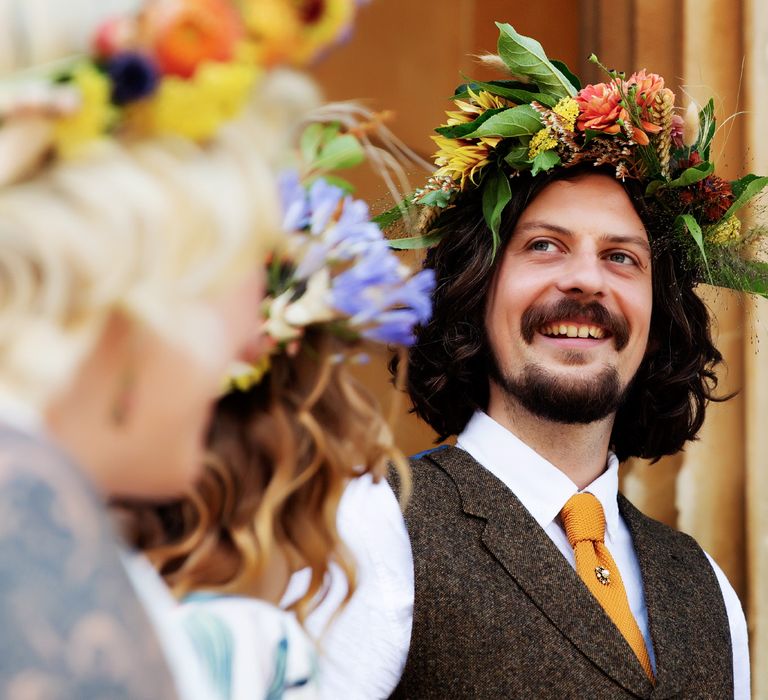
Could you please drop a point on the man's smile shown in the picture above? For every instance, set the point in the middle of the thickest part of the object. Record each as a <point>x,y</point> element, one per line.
<point>573,329</point>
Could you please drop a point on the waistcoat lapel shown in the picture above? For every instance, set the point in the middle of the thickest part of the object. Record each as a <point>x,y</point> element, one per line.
<point>662,597</point>
<point>524,550</point>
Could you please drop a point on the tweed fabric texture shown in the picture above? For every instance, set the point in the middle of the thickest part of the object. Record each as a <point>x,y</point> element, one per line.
<point>584,522</point>
<point>499,612</point>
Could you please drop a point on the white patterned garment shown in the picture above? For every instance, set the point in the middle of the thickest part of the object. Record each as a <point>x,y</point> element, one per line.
<point>252,649</point>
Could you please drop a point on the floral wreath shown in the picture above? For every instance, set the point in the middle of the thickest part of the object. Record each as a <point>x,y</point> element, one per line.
<point>336,269</point>
<point>178,67</point>
<point>544,119</point>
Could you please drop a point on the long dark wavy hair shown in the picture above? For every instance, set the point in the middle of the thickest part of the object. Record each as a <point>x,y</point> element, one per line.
<point>449,366</point>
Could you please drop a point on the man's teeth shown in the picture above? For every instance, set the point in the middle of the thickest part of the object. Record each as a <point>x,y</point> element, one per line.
<point>573,331</point>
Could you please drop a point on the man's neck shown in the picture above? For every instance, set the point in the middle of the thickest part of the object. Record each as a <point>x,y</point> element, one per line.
<point>579,451</point>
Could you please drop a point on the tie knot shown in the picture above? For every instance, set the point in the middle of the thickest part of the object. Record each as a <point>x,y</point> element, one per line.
<point>583,519</point>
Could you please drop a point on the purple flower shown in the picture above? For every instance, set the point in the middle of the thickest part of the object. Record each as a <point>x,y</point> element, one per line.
<point>133,77</point>
<point>393,327</point>
<point>324,200</point>
<point>294,200</point>
<point>379,294</point>
<point>353,228</point>
<point>416,294</point>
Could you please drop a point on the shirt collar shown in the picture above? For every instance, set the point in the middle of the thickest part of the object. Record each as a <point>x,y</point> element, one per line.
<point>539,485</point>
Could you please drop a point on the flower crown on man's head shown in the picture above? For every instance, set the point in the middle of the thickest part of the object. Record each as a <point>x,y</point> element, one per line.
<point>176,67</point>
<point>335,268</point>
<point>544,119</point>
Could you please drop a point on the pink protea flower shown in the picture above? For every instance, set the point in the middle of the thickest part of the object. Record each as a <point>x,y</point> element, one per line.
<point>600,108</point>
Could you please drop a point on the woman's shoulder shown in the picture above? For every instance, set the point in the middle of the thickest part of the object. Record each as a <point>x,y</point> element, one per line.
<point>251,648</point>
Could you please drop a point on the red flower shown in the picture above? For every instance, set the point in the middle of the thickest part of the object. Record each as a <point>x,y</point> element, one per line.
<point>600,108</point>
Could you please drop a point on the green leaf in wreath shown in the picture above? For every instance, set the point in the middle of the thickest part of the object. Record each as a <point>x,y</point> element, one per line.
<point>518,157</point>
<point>393,215</point>
<point>689,176</point>
<point>460,131</point>
<point>461,90</point>
<point>744,189</point>
<point>692,226</point>
<point>546,160</point>
<point>436,198</point>
<point>502,88</point>
<point>310,141</point>
<point>418,242</point>
<point>573,79</point>
<point>653,186</point>
<point>343,151</point>
<point>515,121</point>
<point>496,196</point>
<point>525,57</point>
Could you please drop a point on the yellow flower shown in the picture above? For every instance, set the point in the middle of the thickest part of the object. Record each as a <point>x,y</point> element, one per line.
<point>480,102</point>
<point>541,141</point>
<point>196,108</point>
<point>725,232</point>
<point>297,31</point>
<point>243,376</point>
<point>94,116</point>
<point>462,159</point>
<point>568,109</point>
<point>324,22</point>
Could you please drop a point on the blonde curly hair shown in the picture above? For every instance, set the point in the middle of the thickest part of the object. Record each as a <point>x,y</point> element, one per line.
<point>280,456</point>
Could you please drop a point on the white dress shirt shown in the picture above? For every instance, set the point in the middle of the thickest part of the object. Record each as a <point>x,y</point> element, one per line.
<point>366,647</point>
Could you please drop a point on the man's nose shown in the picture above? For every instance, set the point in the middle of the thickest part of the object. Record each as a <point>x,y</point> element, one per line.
<point>583,275</point>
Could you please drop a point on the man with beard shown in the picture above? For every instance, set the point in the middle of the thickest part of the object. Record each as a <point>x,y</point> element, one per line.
<point>566,337</point>
<point>551,364</point>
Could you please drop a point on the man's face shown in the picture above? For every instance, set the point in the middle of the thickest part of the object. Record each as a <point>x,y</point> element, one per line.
<point>569,311</point>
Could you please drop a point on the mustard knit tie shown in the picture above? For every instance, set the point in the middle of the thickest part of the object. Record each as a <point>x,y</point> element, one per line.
<point>584,523</point>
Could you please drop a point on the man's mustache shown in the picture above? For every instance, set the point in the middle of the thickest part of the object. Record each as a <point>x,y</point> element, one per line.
<point>594,313</point>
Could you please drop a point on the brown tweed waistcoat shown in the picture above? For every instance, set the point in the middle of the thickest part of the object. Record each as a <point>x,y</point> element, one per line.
<point>499,612</point>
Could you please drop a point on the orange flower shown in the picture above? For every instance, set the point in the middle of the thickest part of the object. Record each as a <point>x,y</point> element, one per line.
<point>649,86</point>
<point>182,34</point>
<point>600,108</point>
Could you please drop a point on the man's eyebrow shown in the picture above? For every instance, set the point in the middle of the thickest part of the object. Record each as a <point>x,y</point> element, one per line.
<point>607,237</point>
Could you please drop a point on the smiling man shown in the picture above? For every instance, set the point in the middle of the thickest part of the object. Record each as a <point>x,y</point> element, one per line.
<point>572,230</point>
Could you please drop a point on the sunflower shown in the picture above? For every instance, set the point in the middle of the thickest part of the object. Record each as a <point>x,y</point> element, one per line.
<point>463,159</point>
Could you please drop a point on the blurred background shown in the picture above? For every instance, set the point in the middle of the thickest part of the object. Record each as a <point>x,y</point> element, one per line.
<point>408,56</point>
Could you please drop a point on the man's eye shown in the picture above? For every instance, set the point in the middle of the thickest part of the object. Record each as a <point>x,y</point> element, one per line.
<point>621,258</point>
<point>543,246</point>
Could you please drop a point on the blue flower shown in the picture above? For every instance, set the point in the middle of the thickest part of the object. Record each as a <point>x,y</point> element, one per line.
<point>133,76</point>
<point>294,201</point>
<point>324,200</point>
<point>393,327</point>
<point>354,226</point>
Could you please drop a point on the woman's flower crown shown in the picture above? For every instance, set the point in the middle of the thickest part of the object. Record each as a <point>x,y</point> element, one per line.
<point>545,119</point>
<point>335,269</point>
<point>179,67</point>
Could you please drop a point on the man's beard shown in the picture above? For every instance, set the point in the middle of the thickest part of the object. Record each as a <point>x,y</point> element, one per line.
<point>563,399</point>
<point>566,399</point>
